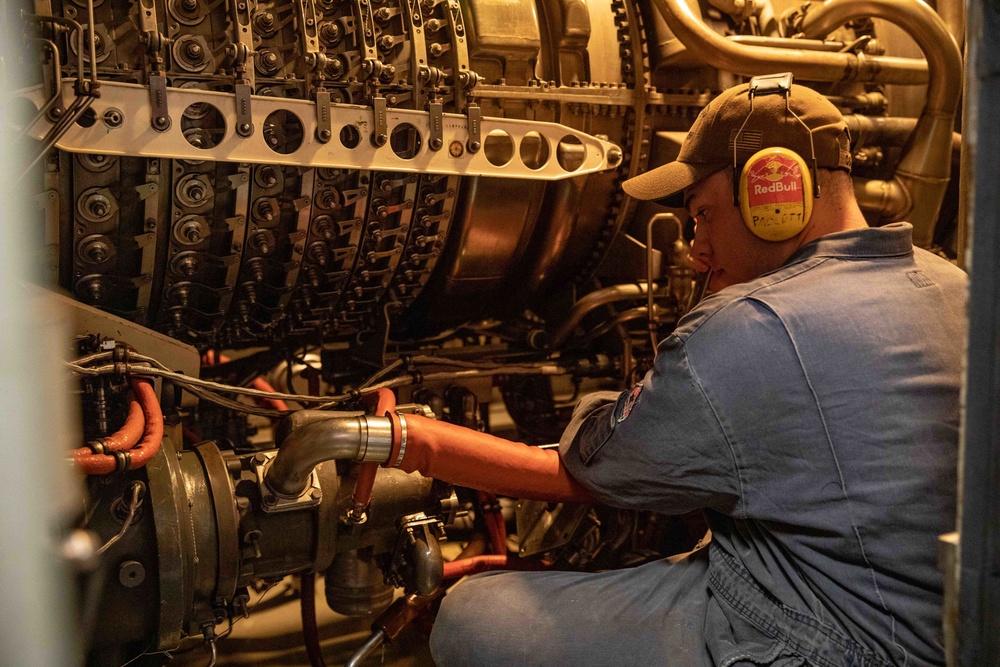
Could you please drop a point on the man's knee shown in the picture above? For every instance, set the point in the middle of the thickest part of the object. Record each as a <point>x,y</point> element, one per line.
<point>476,621</point>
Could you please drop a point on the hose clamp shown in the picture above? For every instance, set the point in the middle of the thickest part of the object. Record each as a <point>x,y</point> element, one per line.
<point>402,440</point>
<point>123,461</point>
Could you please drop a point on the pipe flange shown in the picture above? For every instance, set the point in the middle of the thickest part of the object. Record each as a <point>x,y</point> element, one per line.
<point>311,496</point>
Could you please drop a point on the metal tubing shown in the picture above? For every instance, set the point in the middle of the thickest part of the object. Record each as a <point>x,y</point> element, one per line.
<point>74,27</point>
<point>917,189</point>
<point>830,46</point>
<point>888,130</point>
<point>592,301</point>
<point>92,30</point>
<point>343,438</point>
<point>366,649</point>
<point>650,305</point>
<point>944,61</point>
<point>718,51</point>
<point>57,80</point>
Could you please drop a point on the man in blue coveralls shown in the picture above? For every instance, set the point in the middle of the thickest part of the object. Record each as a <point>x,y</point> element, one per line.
<point>810,407</point>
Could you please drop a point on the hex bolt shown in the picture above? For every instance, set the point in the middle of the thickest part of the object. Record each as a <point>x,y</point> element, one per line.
<point>189,5</point>
<point>194,51</point>
<point>270,499</point>
<point>264,22</point>
<point>614,156</point>
<point>329,33</point>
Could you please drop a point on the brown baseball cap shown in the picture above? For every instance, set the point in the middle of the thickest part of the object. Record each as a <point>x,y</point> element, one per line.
<point>708,147</point>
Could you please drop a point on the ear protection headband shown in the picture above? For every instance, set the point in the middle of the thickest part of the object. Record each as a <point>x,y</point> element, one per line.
<point>775,188</point>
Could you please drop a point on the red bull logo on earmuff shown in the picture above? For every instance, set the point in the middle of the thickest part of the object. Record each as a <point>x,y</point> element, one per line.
<point>774,199</point>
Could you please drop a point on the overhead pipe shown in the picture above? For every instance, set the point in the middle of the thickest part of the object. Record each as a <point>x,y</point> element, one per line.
<point>718,51</point>
<point>918,186</point>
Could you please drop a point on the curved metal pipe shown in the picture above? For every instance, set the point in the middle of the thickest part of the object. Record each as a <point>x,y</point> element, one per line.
<point>718,51</point>
<point>594,300</point>
<point>366,649</point>
<point>336,438</point>
<point>920,21</point>
<point>917,188</point>
<point>888,131</point>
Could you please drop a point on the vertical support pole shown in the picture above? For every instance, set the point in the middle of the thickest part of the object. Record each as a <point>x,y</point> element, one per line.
<point>979,483</point>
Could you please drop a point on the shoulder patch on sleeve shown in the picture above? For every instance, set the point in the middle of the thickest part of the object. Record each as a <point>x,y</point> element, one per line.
<point>627,402</point>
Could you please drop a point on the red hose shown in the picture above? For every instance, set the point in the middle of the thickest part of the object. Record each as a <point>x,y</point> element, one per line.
<point>495,525</point>
<point>310,631</point>
<point>124,438</point>
<point>260,384</point>
<point>153,437</point>
<point>474,565</point>
<point>384,402</point>
<point>477,460</point>
<point>138,456</point>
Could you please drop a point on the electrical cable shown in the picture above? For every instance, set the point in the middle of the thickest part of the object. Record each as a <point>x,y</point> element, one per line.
<point>325,401</point>
<point>137,492</point>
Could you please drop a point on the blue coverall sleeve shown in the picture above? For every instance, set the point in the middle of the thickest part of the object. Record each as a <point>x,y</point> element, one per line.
<point>657,446</point>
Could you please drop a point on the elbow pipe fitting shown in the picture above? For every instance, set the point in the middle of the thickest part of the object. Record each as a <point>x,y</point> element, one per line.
<point>925,168</point>
<point>359,439</point>
<point>717,51</point>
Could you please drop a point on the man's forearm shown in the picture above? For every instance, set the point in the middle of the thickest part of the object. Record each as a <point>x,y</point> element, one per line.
<point>469,458</point>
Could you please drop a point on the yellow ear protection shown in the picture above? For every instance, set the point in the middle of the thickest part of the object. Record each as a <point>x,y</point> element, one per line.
<point>775,187</point>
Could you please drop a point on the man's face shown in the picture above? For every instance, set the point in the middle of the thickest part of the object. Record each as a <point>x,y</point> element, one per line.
<point>722,241</point>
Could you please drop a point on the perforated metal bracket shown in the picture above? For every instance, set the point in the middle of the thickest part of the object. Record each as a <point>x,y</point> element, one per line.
<point>569,152</point>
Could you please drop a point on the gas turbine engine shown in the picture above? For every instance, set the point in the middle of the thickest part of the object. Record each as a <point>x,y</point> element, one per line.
<point>353,197</point>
